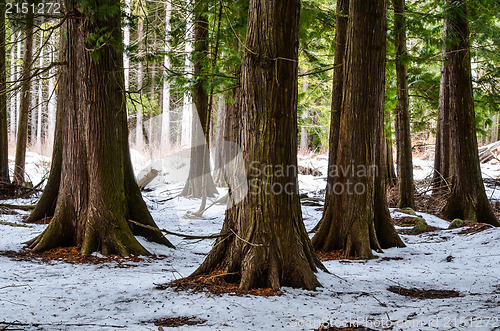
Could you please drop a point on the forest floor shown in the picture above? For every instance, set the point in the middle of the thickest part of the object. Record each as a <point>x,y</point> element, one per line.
<point>443,280</point>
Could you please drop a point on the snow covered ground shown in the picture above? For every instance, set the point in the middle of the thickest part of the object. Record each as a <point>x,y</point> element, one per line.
<point>122,295</point>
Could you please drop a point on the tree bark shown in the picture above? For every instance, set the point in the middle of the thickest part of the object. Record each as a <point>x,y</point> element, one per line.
<point>4,138</point>
<point>22,130</point>
<point>165,123</point>
<point>227,168</point>
<point>468,198</point>
<point>97,194</point>
<point>200,181</point>
<point>392,179</point>
<point>356,219</point>
<point>442,176</point>
<point>270,246</point>
<point>403,134</point>
<point>139,129</point>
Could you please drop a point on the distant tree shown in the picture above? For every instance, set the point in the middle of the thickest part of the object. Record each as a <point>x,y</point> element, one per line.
<point>356,218</point>
<point>4,139</point>
<point>468,198</point>
<point>97,193</point>
<point>269,246</point>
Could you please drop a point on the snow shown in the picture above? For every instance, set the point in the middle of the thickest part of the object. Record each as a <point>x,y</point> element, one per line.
<point>122,295</point>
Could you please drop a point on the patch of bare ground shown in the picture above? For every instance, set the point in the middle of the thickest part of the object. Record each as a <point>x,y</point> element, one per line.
<point>173,322</point>
<point>215,283</point>
<point>424,294</point>
<point>72,255</point>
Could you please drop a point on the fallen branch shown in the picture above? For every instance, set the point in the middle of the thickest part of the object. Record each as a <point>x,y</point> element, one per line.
<point>17,225</point>
<point>185,236</point>
<point>20,207</point>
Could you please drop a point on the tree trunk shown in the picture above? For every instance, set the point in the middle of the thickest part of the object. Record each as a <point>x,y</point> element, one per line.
<point>228,167</point>
<point>443,171</point>
<point>403,135</point>
<point>270,246</point>
<point>337,90</point>
<point>126,43</point>
<point>200,181</point>
<point>139,130</point>
<point>40,99</point>
<point>392,179</point>
<point>97,194</point>
<point>468,200</point>
<point>165,123</point>
<point>187,102</point>
<point>356,219</point>
<point>218,145</point>
<point>51,107</point>
<point>304,134</point>
<point>22,131</point>
<point>4,138</point>
<point>13,99</point>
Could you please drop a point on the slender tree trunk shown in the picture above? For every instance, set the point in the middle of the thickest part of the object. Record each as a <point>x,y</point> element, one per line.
<point>403,134</point>
<point>187,102</point>
<point>218,145</point>
<point>356,219</point>
<point>468,198</point>
<point>200,181</point>
<point>443,171</point>
<point>13,99</point>
<point>228,165</point>
<point>126,43</point>
<point>22,131</point>
<point>392,179</point>
<point>97,194</point>
<point>40,99</point>
<point>270,246</point>
<point>337,90</point>
<point>4,138</point>
<point>304,134</point>
<point>165,123</point>
<point>139,130</point>
<point>18,78</point>
<point>51,106</point>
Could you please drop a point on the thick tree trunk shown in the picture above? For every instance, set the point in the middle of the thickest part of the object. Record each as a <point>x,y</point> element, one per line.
<point>468,198</point>
<point>22,130</point>
<point>356,219</point>
<point>97,193</point>
<point>403,135</point>
<point>200,181</point>
<point>443,171</point>
<point>270,246</point>
<point>4,138</point>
